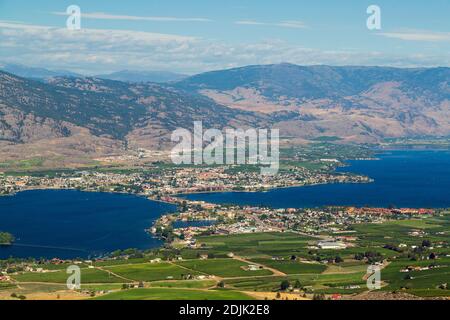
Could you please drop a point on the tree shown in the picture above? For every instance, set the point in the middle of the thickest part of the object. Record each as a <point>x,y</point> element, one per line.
<point>359,256</point>
<point>284,285</point>
<point>426,243</point>
<point>6,238</point>
<point>338,259</point>
<point>297,285</point>
<point>116,253</point>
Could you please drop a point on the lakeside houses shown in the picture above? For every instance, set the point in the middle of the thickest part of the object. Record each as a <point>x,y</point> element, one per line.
<point>173,181</point>
<point>166,184</point>
<point>387,211</point>
<point>248,219</point>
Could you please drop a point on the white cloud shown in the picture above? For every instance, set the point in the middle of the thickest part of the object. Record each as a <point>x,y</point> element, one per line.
<point>107,16</point>
<point>94,51</point>
<point>295,24</point>
<point>292,24</point>
<point>84,34</point>
<point>250,23</point>
<point>426,36</point>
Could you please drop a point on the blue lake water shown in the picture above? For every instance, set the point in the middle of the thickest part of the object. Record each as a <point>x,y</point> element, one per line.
<point>402,178</point>
<point>70,224</point>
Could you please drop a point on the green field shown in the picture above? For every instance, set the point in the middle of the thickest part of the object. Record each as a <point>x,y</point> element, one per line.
<point>226,268</point>
<point>305,268</point>
<point>291,267</point>
<point>314,281</point>
<point>174,294</point>
<point>151,272</point>
<point>194,284</point>
<point>257,244</point>
<point>424,282</point>
<point>87,276</point>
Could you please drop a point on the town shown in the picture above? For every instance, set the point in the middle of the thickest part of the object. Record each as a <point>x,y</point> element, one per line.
<point>256,252</point>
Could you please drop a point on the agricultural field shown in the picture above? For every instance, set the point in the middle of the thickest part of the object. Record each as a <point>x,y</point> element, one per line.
<point>60,276</point>
<point>310,283</point>
<point>191,284</point>
<point>423,278</point>
<point>150,272</point>
<point>175,294</point>
<point>226,268</point>
<point>413,255</point>
<point>291,267</point>
<point>435,229</point>
<point>257,244</point>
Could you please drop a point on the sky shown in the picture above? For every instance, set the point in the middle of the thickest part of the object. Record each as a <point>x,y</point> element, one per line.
<point>193,36</point>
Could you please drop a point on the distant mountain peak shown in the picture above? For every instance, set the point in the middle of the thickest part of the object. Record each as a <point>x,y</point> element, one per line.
<point>140,76</point>
<point>34,72</point>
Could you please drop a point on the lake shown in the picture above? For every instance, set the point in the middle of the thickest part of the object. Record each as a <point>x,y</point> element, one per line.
<point>69,224</point>
<point>402,178</point>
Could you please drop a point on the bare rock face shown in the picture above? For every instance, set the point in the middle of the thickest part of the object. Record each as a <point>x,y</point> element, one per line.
<point>91,118</point>
<point>359,104</point>
<point>16,126</point>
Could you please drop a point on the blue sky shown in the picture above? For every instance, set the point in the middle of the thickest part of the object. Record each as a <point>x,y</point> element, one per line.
<point>200,35</point>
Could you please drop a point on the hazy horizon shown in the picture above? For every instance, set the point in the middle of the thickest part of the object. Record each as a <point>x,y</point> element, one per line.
<point>195,37</point>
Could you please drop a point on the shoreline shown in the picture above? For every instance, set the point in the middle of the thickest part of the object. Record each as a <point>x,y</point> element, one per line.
<point>178,195</point>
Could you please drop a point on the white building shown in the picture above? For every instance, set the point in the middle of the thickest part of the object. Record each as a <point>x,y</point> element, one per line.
<point>334,245</point>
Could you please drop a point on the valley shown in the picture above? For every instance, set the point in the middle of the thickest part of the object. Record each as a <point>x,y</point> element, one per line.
<point>69,121</point>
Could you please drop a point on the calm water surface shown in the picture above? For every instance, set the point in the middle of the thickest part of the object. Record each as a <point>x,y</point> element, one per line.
<point>402,178</point>
<point>70,224</point>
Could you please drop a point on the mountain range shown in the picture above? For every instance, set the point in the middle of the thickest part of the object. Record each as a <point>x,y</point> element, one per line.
<point>74,117</point>
<point>131,76</point>
<point>362,104</point>
<point>35,73</point>
<point>143,76</point>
